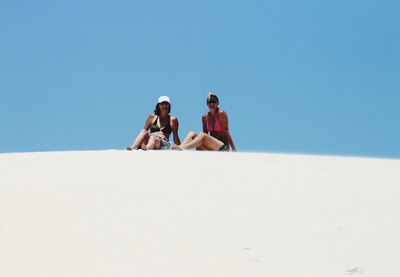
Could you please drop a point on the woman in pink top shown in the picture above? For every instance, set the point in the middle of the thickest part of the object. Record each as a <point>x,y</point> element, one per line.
<point>215,135</point>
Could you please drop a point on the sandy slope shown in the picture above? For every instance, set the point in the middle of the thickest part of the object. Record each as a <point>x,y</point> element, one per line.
<point>118,213</point>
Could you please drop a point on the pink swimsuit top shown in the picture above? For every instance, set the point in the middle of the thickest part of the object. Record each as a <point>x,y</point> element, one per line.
<point>217,125</point>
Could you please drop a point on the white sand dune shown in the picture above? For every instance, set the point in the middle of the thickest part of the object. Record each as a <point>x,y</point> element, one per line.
<point>189,214</point>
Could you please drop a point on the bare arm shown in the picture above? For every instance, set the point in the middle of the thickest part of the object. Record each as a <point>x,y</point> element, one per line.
<point>148,122</point>
<point>143,136</point>
<point>175,126</point>
<point>223,117</point>
<point>204,121</point>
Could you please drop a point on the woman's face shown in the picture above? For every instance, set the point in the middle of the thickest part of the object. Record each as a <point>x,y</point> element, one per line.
<point>212,105</point>
<point>164,106</point>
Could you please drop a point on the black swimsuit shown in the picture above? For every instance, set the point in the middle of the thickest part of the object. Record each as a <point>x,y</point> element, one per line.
<point>156,126</point>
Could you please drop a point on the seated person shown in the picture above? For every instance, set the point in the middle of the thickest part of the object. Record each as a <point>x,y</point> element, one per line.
<point>215,135</point>
<point>161,124</point>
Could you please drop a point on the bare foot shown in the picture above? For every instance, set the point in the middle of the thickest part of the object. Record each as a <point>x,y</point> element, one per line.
<point>144,147</point>
<point>130,148</point>
<point>176,147</point>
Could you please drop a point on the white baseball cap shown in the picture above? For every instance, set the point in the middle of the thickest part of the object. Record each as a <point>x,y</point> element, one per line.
<point>164,99</point>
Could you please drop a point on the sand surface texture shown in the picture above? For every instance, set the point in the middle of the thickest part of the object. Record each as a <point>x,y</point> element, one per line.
<point>197,214</point>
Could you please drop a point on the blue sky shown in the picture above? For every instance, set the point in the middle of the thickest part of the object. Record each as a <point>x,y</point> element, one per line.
<point>305,76</point>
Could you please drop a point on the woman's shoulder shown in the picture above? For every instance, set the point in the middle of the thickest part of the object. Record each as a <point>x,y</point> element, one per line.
<point>151,117</point>
<point>173,118</point>
<point>173,121</point>
<point>222,112</point>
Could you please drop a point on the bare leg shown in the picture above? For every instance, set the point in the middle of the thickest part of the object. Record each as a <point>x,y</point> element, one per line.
<point>153,143</point>
<point>142,138</point>
<point>191,135</point>
<point>188,139</point>
<point>203,141</point>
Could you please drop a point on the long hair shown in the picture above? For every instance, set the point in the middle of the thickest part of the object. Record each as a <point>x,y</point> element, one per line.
<point>157,110</point>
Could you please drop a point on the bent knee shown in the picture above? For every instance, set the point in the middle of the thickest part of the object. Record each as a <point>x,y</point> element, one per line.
<point>192,134</point>
<point>202,135</point>
<point>153,137</point>
<point>145,132</point>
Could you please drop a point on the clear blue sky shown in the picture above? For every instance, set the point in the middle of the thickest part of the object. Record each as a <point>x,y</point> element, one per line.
<point>295,76</point>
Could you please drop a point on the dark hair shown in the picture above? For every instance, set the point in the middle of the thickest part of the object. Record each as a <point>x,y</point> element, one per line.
<point>212,98</point>
<point>157,110</point>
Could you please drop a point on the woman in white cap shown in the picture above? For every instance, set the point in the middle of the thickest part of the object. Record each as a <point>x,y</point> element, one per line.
<point>215,135</point>
<point>158,128</point>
